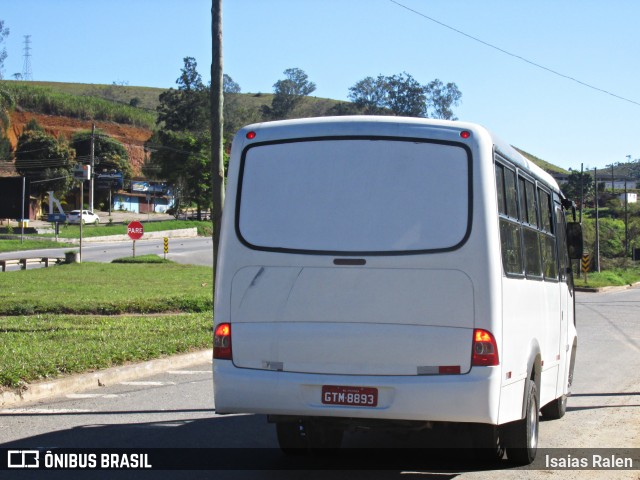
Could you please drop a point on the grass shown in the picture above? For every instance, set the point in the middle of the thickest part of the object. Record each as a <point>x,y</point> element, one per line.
<point>151,258</point>
<point>79,317</point>
<point>45,346</point>
<point>43,99</point>
<point>16,245</point>
<point>73,231</point>
<point>608,278</point>
<point>103,288</point>
<point>147,96</point>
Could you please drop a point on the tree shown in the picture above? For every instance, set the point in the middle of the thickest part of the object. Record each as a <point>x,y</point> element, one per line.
<point>180,150</point>
<point>109,153</point>
<point>229,86</point>
<point>236,113</point>
<point>288,93</point>
<point>4,32</point>
<point>47,162</point>
<point>6,104</point>
<point>370,95</point>
<point>188,107</point>
<point>578,183</point>
<point>441,97</point>
<point>184,160</point>
<point>403,95</point>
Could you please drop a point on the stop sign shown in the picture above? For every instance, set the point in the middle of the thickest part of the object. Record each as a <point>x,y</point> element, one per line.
<point>135,230</point>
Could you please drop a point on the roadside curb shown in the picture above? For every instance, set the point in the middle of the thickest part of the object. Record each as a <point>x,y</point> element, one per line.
<point>606,289</point>
<point>179,233</point>
<point>109,376</point>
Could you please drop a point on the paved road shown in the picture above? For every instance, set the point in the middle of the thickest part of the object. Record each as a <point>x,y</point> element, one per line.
<point>196,251</point>
<point>174,410</point>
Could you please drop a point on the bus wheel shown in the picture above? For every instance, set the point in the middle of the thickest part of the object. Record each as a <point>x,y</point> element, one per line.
<point>522,443</point>
<point>322,437</point>
<point>292,438</point>
<point>487,443</point>
<point>556,409</point>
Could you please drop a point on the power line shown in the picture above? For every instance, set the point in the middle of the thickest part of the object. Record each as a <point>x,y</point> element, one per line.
<point>519,57</point>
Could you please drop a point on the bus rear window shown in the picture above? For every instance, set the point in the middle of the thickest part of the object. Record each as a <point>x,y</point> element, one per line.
<point>355,196</point>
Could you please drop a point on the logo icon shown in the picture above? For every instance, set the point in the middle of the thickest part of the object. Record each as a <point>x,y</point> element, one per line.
<point>23,459</point>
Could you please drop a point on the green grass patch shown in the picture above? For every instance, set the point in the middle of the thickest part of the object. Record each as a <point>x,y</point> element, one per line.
<point>43,99</point>
<point>107,288</point>
<point>609,278</point>
<point>147,97</point>
<point>73,231</point>
<point>45,346</point>
<point>16,245</point>
<point>151,258</point>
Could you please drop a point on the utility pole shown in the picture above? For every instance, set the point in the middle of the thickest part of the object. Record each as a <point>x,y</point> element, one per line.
<point>24,188</point>
<point>596,255</point>
<point>626,219</point>
<point>612,180</point>
<point>581,190</point>
<point>217,140</point>
<point>626,209</point>
<point>93,144</point>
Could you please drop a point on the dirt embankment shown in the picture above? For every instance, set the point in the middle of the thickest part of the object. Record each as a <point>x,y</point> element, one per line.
<point>133,138</point>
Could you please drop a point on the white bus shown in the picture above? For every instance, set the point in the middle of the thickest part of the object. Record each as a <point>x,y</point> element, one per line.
<point>385,271</point>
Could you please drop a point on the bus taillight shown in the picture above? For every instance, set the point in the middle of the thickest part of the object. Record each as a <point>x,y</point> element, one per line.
<point>485,349</point>
<point>222,342</point>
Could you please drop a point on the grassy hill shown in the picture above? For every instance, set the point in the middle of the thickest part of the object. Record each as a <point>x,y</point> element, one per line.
<point>137,105</point>
<point>147,96</point>
<point>546,166</point>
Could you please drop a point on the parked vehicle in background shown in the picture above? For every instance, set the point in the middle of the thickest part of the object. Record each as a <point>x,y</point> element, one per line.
<point>87,217</point>
<point>393,272</point>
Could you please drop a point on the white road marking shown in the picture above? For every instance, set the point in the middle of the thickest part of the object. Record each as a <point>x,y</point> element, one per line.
<point>188,372</point>
<point>92,395</point>
<point>147,384</point>
<point>32,411</point>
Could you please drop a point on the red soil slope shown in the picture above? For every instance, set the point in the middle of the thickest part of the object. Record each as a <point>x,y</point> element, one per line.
<point>133,138</point>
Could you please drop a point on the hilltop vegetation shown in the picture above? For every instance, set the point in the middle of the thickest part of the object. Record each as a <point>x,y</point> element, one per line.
<point>549,167</point>
<point>137,106</point>
<point>43,99</point>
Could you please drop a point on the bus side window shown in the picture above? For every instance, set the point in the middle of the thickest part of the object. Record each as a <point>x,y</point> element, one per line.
<point>510,229</point>
<point>511,247</point>
<point>511,193</point>
<point>563,253</point>
<point>529,214</point>
<point>500,189</point>
<point>548,240</point>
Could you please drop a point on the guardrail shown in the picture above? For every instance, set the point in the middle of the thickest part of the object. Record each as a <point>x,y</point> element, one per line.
<point>27,260</point>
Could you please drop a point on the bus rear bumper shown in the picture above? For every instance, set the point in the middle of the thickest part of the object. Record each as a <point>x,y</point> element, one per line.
<point>472,397</point>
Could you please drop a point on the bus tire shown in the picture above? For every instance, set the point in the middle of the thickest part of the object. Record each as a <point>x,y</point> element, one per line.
<point>292,438</point>
<point>487,443</point>
<point>323,438</point>
<point>522,444</point>
<point>556,409</point>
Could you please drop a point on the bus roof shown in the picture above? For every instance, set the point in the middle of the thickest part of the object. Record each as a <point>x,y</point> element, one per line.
<point>363,123</point>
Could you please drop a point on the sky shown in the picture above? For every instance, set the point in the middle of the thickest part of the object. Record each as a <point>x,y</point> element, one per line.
<point>509,86</point>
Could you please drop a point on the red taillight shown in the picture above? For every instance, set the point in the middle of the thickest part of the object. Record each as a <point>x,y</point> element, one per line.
<point>485,349</point>
<point>222,342</point>
<point>465,134</point>
<point>251,135</point>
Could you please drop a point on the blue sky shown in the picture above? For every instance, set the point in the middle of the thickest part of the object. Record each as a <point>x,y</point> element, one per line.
<point>338,42</point>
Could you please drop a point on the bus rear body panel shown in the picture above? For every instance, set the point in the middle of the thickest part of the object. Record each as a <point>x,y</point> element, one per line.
<point>359,260</point>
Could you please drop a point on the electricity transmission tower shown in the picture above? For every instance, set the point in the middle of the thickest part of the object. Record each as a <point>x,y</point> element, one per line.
<point>26,66</point>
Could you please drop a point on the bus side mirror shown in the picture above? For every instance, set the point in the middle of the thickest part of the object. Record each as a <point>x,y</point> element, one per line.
<point>574,240</point>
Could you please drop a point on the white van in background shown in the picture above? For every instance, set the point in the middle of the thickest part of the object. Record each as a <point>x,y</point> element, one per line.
<point>386,271</point>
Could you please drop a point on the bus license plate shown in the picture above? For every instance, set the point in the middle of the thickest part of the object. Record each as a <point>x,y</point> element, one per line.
<point>351,396</point>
